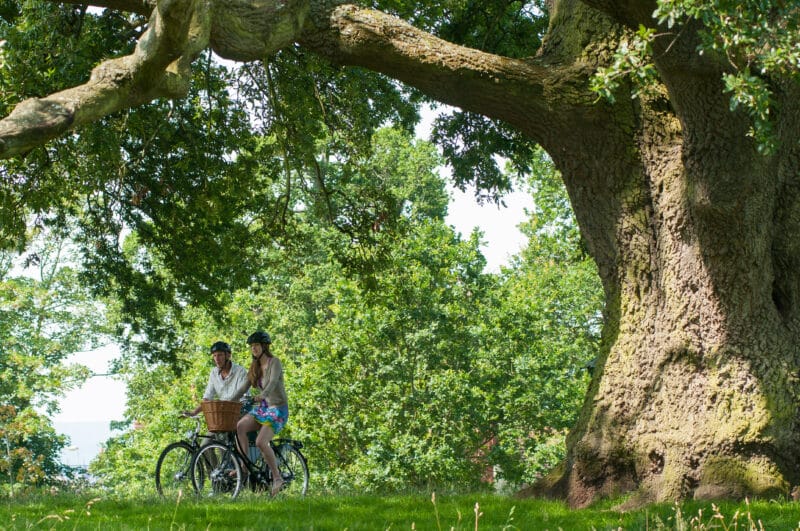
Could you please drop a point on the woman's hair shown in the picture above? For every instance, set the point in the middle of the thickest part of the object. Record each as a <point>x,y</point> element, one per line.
<point>254,373</point>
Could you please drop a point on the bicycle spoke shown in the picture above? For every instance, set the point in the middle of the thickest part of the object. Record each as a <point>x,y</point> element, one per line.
<point>217,472</point>
<point>173,474</point>
<point>294,470</point>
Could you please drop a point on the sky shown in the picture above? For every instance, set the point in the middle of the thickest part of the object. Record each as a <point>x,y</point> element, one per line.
<point>87,412</point>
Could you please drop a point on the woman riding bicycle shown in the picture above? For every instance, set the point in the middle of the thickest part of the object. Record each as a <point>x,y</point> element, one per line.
<point>271,407</point>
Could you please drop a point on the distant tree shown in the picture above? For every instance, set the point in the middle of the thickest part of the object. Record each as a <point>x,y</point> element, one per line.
<point>45,315</point>
<point>542,333</point>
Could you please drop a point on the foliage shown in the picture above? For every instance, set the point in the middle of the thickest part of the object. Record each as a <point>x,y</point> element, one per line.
<point>632,61</point>
<point>548,309</point>
<point>386,376</point>
<point>470,142</point>
<point>424,373</point>
<point>755,40</point>
<point>233,165</point>
<point>758,34</point>
<point>472,145</point>
<point>511,28</point>
<point>241,165</point>
<point>758,39</point>
<point>45,315</point>
<point>30,32</point>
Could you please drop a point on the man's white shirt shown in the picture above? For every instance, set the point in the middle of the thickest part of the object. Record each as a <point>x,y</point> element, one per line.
<point>225,389</point>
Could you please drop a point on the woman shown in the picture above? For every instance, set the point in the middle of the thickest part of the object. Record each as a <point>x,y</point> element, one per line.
<point>271,409</point>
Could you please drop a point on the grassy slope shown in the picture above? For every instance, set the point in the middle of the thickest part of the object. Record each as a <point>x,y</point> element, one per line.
<point>374,512</point>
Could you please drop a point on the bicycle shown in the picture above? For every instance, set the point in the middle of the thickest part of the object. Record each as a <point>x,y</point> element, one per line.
<point>217,468</point>
<point>173,468</point>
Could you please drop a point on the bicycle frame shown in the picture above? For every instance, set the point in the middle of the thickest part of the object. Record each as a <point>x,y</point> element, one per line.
<point>223,468</point>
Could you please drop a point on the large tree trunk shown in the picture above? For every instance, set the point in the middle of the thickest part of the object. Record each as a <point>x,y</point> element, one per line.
<point>696,239</point>
<point>697,389</point>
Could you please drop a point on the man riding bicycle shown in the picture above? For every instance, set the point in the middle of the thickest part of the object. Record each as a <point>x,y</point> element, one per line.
<point>225,381</point>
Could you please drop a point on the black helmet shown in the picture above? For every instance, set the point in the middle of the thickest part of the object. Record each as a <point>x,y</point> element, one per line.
<point>220,345</point>
<point>258,337</point>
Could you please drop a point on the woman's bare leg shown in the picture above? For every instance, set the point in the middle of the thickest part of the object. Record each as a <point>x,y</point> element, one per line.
<point>246,424</point>
<point>265,435</point>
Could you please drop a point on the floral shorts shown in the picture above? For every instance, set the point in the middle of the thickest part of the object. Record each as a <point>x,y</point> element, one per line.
<point>274,416</point>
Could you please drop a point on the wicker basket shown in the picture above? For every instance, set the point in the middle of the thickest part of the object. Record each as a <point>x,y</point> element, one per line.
<point>221,415</point>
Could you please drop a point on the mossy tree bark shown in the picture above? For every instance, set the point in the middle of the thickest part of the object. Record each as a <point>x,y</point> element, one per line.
<point>695,237</point>
<point>693,231</point>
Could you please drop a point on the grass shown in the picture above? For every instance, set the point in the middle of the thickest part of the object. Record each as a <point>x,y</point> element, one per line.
<point>422,512</point>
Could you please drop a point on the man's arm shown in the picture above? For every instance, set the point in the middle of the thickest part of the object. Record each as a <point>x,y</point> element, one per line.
<point>242,384</point>
<point>207,395</point>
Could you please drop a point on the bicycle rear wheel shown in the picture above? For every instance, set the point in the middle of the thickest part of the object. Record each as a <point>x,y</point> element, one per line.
<point>173,470</point>
<point>294,470</point>
<point>216,471</point>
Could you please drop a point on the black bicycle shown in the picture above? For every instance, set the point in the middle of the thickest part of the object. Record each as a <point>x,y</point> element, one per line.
<point>173,469</point>
<point>220,469</point>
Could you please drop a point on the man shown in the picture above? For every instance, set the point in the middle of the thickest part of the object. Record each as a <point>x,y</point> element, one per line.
<point>226,378</point>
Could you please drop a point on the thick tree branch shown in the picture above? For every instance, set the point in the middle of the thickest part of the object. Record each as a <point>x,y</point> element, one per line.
<point>140,7</point>
<point>525,93</point>
<point>542,97</point>
<point>177,33</point>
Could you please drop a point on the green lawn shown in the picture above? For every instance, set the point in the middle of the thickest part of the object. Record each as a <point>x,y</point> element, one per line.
<point>380,513</point>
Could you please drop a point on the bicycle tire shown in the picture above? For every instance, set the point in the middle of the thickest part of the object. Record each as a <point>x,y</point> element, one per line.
<point>294,470</point>
<point>216,471</point>
<point>173,469</point>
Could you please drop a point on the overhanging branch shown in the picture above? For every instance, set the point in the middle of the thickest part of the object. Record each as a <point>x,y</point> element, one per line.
<point>177,33</point>
<point>524,93</point>
<point>536,96</point>
<point>140,7</point>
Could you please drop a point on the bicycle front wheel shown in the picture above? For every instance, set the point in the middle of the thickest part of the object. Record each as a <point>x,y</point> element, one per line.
<point>173,470</point>
<point>294,470</point>
<point>216,471</point>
